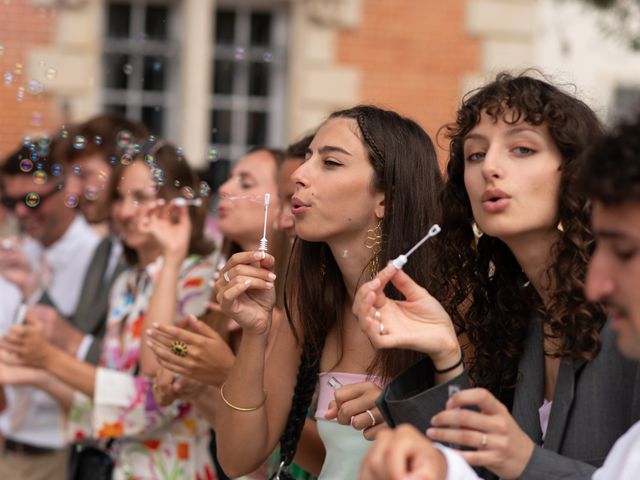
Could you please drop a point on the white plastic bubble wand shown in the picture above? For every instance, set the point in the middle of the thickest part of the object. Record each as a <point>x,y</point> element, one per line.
<point>401,260</point>
<point>263,240</point>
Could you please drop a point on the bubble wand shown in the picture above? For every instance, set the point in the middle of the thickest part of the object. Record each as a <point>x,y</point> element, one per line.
<point>263,240</point>
<point>401,260</point>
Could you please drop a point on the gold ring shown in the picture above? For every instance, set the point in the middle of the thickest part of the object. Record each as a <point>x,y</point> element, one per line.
<point>179,348</point>
<point>226,277</point>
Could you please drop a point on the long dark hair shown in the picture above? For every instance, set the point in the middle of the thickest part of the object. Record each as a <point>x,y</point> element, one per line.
<point>173,178</point>
<point>484,284</point>
<point>406,170</point>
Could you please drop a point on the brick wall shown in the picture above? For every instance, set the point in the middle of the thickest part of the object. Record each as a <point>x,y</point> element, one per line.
<point>413,56</point>
<point>22,27</point>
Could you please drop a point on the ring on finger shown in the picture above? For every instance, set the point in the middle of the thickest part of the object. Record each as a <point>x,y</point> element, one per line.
<point>377,315</point>
<point>373,419</point>
<point>226,277</point>
<point>381,330</point>
<point>484,441</point>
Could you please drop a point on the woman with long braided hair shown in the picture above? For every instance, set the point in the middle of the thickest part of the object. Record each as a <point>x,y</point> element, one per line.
<point>365,169</point>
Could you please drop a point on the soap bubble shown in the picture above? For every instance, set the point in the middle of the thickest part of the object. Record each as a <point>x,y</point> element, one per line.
<point>8,78</point>
<point>26,165</point>
<point>97,140</point>
<point>205,189</point>
<point>51,73</point>
<point>35,87</point>
<point>76,169</point>
<point>239,53</point>
<point>124,138</point>
<point>267,57</point>
<point>127,69</point>
<point>56,170</point>
<point>39,177</point>
<point>126,159</point>
<point>79,142</point>
<point>32,199</point>
<point>213,155</point>
<point>71,200</point>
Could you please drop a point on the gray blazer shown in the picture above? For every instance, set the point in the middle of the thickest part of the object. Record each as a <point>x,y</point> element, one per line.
<point>594,403</point>
<point>91,312</point>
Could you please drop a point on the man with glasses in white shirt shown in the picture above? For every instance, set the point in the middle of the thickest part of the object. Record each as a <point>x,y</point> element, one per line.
<point>48,268</point>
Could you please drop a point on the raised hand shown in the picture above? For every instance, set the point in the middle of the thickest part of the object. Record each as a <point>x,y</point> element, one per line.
<point>355,404</point>
<point>208,358</point>
<point>403,454</point>
<point>501,446</point>
<point>17,268</point>
<point>170,225</point>
<point>417,323</point>
<point>245,290</point>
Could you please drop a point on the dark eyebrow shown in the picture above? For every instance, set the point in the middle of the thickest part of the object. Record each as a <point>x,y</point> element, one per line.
<point>510,132</point>
<point>330,149</point>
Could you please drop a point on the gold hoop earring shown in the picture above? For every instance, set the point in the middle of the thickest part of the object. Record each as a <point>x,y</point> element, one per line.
<point>476,230</point>
<point>374,239</point>
<point>560,227</point>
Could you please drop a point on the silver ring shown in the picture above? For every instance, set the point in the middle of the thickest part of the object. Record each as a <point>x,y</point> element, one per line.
<point>484,441</point>
<point>225,275</point>
<point>373,419</point>
<point>377,315</point>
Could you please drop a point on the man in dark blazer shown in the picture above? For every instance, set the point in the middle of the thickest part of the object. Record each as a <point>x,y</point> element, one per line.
<point>611,178</point>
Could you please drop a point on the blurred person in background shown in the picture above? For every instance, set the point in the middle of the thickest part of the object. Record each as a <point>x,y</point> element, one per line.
<point>168,278</point>
<point>48,270</point>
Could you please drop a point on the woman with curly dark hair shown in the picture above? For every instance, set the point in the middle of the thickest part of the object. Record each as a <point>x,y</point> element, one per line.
<point>365,168</point>
<point>516,243</point>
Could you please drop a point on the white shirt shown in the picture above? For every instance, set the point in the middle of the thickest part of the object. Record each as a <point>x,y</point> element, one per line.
<point>68,259</point>
<point>622,463</point>
<point>10,299</point>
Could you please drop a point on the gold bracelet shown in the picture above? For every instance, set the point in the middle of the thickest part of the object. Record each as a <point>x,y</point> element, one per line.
<point>240,409</point>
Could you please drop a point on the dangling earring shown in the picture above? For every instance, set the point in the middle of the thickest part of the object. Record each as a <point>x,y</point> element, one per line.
<point>476,230</point>
<point>560,227</point>
<point>374,239</point>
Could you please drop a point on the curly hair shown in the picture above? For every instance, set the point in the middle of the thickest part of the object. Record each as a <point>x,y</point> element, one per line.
<point>485,289</point>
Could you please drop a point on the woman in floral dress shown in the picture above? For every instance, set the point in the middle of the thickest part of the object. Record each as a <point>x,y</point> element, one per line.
<point>111,407</point>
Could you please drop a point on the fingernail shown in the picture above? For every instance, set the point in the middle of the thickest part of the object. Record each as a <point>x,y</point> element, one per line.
<point>155,324</point>
<point>430,432</point>
<point>269,285</point>
<point>375,283</point>
<point>258,255</point>
<point>150,332</point>
<point>271,276</point>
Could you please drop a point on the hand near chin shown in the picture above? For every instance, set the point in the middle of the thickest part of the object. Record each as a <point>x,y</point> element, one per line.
<point>17,269</point>
<point>403,453</point>
<point>417,323</point>
<point>245,290</point>
<point>170,225</point>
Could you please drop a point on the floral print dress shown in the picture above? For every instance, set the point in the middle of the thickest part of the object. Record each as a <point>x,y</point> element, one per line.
<point>146,441</point>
